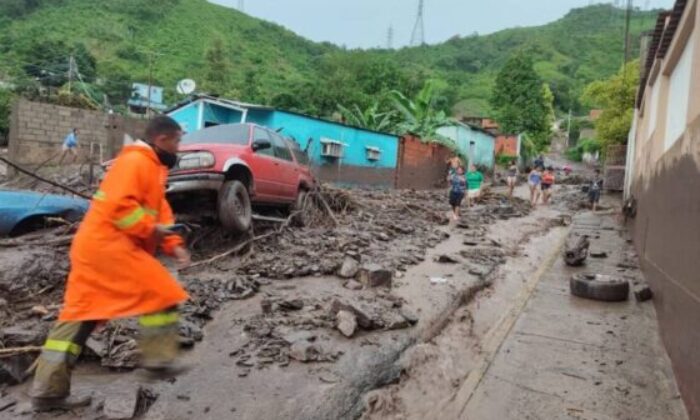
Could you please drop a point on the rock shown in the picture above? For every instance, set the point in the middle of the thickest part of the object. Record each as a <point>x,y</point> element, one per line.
<point>3,304</point>
<point>266,306</point>
<point>346,322</point>
<point>363,316</point>
<point>7,402</point>
<point>39,310</point>
<point>304,351</point>
<point>353,285</point>
<point>121,402</point>
<point>349,268</point>
<point>444,258</point>
<point>395,321</point>
<point>18,336</point>
<point>373,275</point>
<point>383,237</point>
<point>599,254</point>
<point>96,346</point>
<point>643,293</point>
<point>296,336</point>
<point>291,304</point>
<point>410,316</point>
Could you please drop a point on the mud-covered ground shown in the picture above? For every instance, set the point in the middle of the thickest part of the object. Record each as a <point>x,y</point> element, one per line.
<point>360,236</point>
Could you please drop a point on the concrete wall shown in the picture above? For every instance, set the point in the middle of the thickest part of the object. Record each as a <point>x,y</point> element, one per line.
<point>665,180</point>
<point>421,165</point>
<point>463,135</point>
<point>37,131</point>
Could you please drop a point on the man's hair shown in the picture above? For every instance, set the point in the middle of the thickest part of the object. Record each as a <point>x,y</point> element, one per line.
<point>597,171</point>
<point>161,125</point>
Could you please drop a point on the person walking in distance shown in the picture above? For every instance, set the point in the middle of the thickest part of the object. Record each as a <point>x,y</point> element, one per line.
<point>512,178</point>
<point>546,184</point>
<point>114,273</point>
<point>70,146</point>
<point>458,186</point>
<point>452,164</point>
<point>474,181</point>
<point>533,180</point>
<point>594,189</point>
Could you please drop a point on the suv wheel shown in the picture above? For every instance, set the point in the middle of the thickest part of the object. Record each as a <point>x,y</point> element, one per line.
<point>301,207</point>
<point>235,212</point>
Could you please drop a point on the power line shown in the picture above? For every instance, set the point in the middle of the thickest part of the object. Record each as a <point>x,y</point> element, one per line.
<point>390,38</point>
<point>418,35</point>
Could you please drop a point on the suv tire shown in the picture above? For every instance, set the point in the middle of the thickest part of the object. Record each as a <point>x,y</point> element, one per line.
<point>235,212</point>
<point>599,287</point>
<point>301,205</point>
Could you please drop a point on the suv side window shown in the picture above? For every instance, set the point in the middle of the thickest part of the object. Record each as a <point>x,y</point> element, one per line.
<point>281,149</point>
<point>260,134</point>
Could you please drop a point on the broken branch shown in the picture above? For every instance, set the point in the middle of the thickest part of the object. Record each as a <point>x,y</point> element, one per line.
<point>40,178</point>
<point>18,350</point>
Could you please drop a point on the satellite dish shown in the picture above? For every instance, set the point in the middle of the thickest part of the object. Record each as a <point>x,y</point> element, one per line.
<point>186,86</point>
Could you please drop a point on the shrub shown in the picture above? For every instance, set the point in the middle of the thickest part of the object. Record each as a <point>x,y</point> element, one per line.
<point>505,160</point>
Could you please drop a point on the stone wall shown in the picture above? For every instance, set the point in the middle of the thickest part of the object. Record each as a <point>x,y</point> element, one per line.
<point>37,131</point>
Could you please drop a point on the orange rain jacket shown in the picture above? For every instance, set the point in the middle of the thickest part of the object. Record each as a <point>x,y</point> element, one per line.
<point>114,272</point>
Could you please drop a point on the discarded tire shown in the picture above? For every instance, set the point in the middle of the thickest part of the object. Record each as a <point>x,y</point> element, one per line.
<point>599,287</point>
<point>235,211</point>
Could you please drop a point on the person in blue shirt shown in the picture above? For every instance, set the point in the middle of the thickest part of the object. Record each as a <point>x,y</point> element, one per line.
<point>70,145</point>
<point>534,179</point>
<point>458,187</point>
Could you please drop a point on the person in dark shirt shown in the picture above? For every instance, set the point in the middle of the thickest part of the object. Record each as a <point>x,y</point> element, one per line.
<point>458,187</point>
<point>594,190</point>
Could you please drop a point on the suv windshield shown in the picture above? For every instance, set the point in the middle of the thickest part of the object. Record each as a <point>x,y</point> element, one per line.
<point>220,134</point>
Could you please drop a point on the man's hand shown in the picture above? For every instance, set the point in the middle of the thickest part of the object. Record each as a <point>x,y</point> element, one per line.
<point>182,257</point>
<point>160,232</point>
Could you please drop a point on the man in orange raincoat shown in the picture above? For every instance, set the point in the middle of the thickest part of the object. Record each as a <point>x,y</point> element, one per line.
<point>114,273</point>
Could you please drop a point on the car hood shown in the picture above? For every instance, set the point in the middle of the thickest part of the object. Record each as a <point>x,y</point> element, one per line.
<point>16,206</point>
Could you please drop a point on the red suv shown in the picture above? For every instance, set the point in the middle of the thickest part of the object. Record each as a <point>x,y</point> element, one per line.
<point>238,165</point>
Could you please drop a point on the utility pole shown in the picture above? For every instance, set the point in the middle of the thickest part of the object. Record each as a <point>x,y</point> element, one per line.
<point>70,73</point>
<point>390,38</point>
<point>418,35</point>
<point>628,16</point>
<point>151,55</point>
<point>241,5</point>
<point>568,132</point>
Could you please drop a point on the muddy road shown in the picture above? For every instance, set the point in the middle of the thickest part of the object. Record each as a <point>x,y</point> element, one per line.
<point>372,315</point>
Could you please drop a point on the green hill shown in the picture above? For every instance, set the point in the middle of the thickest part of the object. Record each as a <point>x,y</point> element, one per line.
<point>118,41</point>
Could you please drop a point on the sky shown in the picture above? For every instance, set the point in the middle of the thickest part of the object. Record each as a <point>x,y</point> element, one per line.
<point>365,23</point>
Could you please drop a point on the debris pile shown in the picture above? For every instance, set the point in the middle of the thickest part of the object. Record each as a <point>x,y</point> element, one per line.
<point>368,237</point>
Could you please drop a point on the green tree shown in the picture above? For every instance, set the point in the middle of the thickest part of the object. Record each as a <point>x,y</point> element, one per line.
<point>615,96</point>
<point>371,118</point>
<point>5,110</point>
<point>522,103</point>
<point>216,67</point>
<point>420,115</point>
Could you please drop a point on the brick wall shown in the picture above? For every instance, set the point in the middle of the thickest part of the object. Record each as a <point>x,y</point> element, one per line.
<point>421,165</point>
<point>507,145</point>
<point>37,131</point>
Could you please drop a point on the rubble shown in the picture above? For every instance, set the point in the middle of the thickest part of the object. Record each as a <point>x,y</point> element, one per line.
<point>643,293</point>
<point>122,402</point>
<point>373,275</point>
<point>378,235</point>
<point>349,268</point>
<point>347,323</point>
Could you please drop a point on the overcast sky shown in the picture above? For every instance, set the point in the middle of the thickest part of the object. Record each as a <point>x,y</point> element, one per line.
<point>365,23</point>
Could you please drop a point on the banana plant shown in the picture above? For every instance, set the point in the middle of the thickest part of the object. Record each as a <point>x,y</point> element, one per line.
<point>371,118</point>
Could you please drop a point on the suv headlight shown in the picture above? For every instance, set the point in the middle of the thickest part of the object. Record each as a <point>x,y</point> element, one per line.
<point>195,160</point>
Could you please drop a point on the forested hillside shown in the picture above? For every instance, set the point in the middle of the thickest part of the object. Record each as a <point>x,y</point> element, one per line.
<point>116,42</point>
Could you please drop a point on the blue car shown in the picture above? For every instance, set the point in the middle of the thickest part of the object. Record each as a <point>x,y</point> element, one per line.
<point>23,211</point>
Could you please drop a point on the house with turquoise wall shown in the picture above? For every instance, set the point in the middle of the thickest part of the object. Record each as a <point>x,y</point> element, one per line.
<point>339,153</point>
<point>474,142</point>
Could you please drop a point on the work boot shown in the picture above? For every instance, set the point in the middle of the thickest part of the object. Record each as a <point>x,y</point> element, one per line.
<point>61,403</point>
